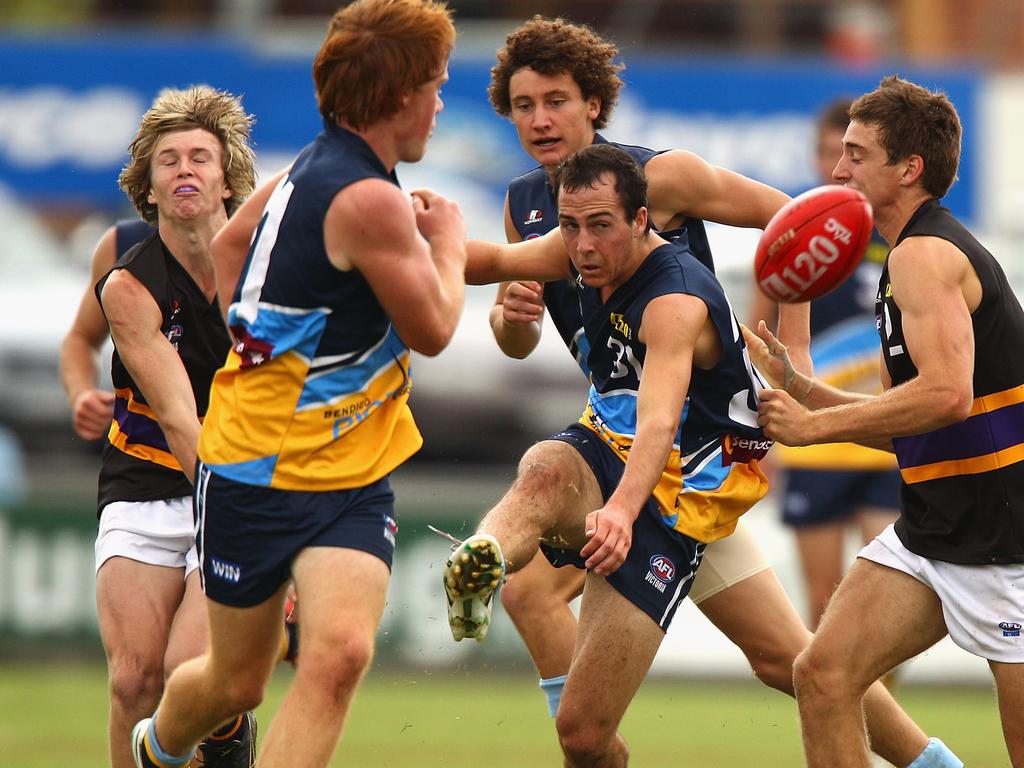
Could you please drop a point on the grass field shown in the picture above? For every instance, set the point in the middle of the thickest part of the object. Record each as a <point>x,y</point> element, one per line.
<point>420,719</point>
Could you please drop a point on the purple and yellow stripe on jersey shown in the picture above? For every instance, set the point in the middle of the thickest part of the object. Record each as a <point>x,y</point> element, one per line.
<point>135,431</point>
<point>990,438</point>
<point>702,494</point>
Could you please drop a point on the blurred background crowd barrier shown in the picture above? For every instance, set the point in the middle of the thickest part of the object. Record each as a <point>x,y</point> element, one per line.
<point>737,82</point>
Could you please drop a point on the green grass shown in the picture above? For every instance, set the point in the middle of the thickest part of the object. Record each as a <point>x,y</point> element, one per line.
<point>56,715</point>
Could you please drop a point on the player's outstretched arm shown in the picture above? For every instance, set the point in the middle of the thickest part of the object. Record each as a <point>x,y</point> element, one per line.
<point>230,246</point>
<point>517,316</point>
<point>936,290</point>
<point>680,183</point>
<point>91,408</point>
<point>543,259</point>
<point>154,365</point>
<point>670,329</point>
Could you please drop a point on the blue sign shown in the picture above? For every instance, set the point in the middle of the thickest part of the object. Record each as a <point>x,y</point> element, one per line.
<point>70,107</point>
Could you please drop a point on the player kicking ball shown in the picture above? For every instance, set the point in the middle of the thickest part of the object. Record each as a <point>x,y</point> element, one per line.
<point>672,397</point>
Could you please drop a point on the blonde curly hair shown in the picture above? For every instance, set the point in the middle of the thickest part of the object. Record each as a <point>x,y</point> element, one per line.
<point>198,106</point>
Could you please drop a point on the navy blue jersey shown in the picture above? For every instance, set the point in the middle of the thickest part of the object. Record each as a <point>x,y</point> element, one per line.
<point>712,476</point>
<point>531,204</point>
<point>962,498</point>
<point>128,232</point>
<point>314,395</point>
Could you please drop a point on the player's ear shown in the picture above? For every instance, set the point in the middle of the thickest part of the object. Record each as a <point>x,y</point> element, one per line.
<point>593,107</point>
<point>640,221</point>
<point>913,167</point>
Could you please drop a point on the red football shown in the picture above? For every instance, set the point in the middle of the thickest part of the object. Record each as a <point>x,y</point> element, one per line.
<point>813,243</point>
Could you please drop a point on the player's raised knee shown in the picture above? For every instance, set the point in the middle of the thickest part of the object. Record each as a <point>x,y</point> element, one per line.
<point>546,464</point>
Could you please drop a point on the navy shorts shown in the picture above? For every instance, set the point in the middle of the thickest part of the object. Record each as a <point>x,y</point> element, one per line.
<point>659,568</point>
<point>814,496</point>
<point>247,535</point>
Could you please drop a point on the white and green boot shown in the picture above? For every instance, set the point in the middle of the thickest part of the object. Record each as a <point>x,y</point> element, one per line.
<point>472,577</point>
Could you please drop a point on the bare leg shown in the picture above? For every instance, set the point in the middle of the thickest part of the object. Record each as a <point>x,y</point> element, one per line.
<point>821,560</point>
<point>553,493</point>
<point>189,635</point>
<point>758,617</point>
<point>231,678</point>
<point>1010,690</point>
<point>136,603</point>
<point>873,520</point>
<point>537,599</point>
<point>878,618</point>
<point>342,592</point>
<point>615,646</point>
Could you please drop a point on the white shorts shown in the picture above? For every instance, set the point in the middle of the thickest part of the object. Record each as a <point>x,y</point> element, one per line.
<point>727,562</point>
<point>983,605</point>
<point>154,532</point>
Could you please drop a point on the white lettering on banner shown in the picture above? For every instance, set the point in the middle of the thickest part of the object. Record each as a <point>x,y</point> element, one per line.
<point>47,581</point>
<point>48,125</point>
<point>770,147</point>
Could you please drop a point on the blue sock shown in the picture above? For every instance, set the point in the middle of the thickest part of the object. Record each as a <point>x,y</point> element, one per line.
<point>162,757</point>
<point>552,687</point>
<point>936,755</point>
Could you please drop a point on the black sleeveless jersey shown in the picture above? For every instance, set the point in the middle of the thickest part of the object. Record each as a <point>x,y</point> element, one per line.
<point>531,204</point>
<point>137,462</point>
<point>962,499</point>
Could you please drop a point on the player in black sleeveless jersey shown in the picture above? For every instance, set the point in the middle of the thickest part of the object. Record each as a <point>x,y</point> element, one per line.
<point>92,408</point>
<point>951,330</point>
<point>558,84</point>
<point>190,166</point>
<point>831,490</point>
<point>330,275</point>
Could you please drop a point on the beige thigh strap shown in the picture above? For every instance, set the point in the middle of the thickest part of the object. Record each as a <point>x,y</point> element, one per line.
<point>727,562</point>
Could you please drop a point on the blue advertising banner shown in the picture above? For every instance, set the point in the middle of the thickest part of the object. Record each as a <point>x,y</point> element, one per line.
<point>69,108</point>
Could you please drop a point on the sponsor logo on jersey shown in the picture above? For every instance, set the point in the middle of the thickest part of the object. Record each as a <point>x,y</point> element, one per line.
<point>224,570</point>
<point>363,410</point>
<point>619,324</point>
<point>535,217</point>
<point>1010,628</point>
<point>743,450</point>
